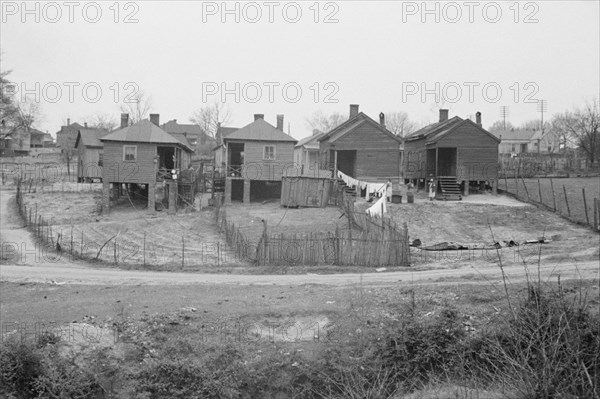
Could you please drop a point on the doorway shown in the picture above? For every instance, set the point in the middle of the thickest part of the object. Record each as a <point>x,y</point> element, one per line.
<point>446,162</point>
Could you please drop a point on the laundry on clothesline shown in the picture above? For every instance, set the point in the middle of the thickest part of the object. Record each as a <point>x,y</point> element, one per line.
<point>378,208</point>
<point>371,188</point>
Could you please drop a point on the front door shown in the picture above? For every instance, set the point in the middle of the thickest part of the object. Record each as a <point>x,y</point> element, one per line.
<point>446,165</point>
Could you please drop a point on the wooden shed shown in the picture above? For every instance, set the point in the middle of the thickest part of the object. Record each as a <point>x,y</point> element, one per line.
<point>453,152</point>
<point>306,191</point>
<point>89,153</point>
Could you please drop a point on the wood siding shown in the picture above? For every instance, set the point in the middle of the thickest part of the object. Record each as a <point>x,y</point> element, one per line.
<point>143,171</point>
<point>305,191</point>
<point>256,168</point>
<point>87,165</point>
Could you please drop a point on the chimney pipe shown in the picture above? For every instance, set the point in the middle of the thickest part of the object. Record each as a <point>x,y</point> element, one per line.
<point>478,118</point>
<point>353,110</point>
<point>280,122</point>
<point>155,118</point>
<point>382,119</point>
<point>68,121</point>
<point>443,115</point>
<point>124,120</point>
<point>84,124</point>
<point>259,116</point>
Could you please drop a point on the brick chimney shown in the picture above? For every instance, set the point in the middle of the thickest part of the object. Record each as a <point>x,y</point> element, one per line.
<point>353,110</point>
<point>259,116</point>
<point>68,121</point>
<point>382,119</point>
<point>155,118</point>
<point>84,124</point>
<point>478,118</point>
<point>124,120</point>
<point>280,122</point>
<point>443,115</point>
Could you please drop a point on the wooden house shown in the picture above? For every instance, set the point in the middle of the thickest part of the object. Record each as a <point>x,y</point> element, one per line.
<point>219,151</point>
<point>67,135</point>
<point>453,152</point>
<point>306,154</point>
<point>256,157</point>
<point>197,139</point>
<point>89,154</point>
<point>16,141</point>
<point>514,142</point>
<point>144,155</point>
<point>361,148</point>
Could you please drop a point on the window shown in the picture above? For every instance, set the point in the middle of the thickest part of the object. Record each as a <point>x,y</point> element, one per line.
<point>269,153</point>
<point>130,153</point>
<point>100,159</point>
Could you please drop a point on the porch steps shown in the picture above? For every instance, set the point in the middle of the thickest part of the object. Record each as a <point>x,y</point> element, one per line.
<point>450,189</point>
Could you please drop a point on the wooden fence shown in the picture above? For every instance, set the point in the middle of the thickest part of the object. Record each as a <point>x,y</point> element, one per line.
<point>577,206</point>
<point>379,242</point>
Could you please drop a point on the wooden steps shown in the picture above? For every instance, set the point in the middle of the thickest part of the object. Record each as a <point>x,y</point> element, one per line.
<point>450,189</point>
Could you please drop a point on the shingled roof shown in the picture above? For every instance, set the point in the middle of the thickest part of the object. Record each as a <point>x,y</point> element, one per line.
<point>435,131</point>
<point>144,132</point>
<point>260,130</point>
<point>90,137</point>
<point>352,123</point>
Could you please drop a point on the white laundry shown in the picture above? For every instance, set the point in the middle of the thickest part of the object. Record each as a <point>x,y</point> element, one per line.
<point>378,208</point>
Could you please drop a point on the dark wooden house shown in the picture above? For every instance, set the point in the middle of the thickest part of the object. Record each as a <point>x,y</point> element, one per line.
<point>143,155</point>
<point>89,154</point>
<point>361,148</point>
<point>256,157</point>
<point>453,152</point>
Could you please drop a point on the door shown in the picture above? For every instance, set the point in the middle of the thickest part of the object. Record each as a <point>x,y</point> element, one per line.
<point>446,162</point>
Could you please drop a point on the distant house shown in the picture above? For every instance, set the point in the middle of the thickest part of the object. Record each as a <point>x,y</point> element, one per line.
<point>306,153</point>
<point>89,152</point>
<point>16,141</point>
<point>361,148</point>
<point>40,139</point>
<point>452,151</point>
<point>141,155</point>
<point>198,140</point>
<point>516,142</point>
<point>256,157</point>
<point>220,153</point>
<point>67,135</point>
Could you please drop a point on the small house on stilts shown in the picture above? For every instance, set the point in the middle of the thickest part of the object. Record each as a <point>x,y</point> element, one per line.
<point>456,153</point>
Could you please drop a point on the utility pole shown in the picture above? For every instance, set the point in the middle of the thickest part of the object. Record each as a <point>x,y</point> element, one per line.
<point>542,106</point>
<point>504,115</point>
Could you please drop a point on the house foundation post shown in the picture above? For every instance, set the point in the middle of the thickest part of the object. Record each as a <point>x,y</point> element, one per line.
<point>172,198</point>
<point>246,191</point>
<point>152,197</point>
<point>465,188</point>
<point>227,191</point>
<point>105,196</point>
<point>495,187</point>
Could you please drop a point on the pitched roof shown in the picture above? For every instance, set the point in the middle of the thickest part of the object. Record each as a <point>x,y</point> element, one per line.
<point>352,123</point>
<point>310,142</point>
<point>260,130</point>
<point>524,135</point>
<point>73,127</point>
<point>90,137</point>
<point>174,127</point>
<point>144,132</point>
<point>436,131</point>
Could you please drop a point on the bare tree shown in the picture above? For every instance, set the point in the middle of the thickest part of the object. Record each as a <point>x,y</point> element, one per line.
<point>399,123</point>
<point>138,107</point>
<point>102,121</point>
<point>210,117</point>
<point>498,126</point>
<point>325,122</point>
<point>582,127</point>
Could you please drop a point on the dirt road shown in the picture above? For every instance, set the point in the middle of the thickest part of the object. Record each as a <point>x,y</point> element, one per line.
<point>28,266</point>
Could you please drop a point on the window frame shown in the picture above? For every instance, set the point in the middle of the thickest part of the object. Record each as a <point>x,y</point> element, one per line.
<point>125,147</point>
<point>265,153</point>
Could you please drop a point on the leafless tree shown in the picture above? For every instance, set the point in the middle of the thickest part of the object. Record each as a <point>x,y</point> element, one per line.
<point>399,123</point>
<point>210,117</point>
<point>137,106</point>
<point>325,122</point>
<point>498,126</point>
<point>581,126</point>
<point>102,121</point>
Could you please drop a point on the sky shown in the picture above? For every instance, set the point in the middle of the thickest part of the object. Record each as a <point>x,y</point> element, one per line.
<point>80,59</point>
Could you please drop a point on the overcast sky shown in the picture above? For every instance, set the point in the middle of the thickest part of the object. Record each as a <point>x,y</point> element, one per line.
<point>381,55</point>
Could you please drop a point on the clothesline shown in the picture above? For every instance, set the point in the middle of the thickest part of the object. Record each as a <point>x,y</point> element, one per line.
<point>372,188</point>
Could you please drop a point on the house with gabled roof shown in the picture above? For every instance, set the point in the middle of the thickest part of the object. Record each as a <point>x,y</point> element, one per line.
<point>515,141</point>
<point>361,148</point>
<point>192,134</point>
<point>256,157</point>
<point>89,153</point>
<point>306,154</point>
<point>453,152</point>
<point>66,136</point>
<point>142,155</point>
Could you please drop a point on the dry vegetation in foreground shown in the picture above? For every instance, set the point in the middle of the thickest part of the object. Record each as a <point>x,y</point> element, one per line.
<point>421,342</point>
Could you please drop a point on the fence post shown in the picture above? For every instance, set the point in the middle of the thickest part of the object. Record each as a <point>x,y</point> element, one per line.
<point>144,248</point>
<point>526,190</point>
<point>182,251</point>
<point>567,201</point>
<point>553,196</point>
<point>587,217</point>
<point>540,190</point>
<point>516,185</point>
<point>81,254</point>
<point>596,226</point>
